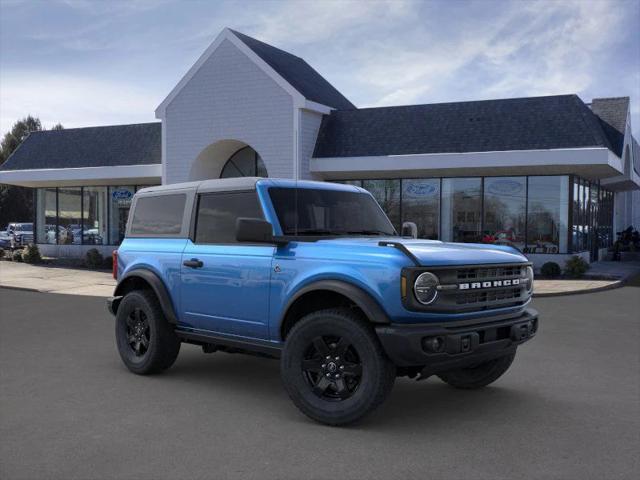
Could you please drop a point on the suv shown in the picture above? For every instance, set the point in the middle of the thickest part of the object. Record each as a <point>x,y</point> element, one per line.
<point>315,274</point>
<point>19,234</point>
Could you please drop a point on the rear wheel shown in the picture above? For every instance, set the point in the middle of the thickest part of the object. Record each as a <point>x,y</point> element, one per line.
<point>146,341</point>
<point>480,375</point>
<point>333,367</point>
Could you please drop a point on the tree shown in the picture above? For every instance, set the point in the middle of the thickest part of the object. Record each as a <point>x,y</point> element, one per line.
<point>16,203</point>
<point>20,130</point>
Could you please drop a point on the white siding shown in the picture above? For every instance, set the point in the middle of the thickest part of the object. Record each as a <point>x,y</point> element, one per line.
<point>229,98</point>
<point>309,126</point>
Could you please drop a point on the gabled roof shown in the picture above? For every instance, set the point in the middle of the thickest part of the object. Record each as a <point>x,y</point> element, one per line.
<point>137,144</point>
<point>298,73</point>
<point>292,73</point>
<point>613,115</point>
<point>534,123</point>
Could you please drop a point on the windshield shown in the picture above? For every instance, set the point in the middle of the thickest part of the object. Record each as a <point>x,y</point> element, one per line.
<point>328,212</point>
<point>24,227</point>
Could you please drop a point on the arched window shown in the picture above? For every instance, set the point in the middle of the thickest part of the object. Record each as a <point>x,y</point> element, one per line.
<point>244,163</point>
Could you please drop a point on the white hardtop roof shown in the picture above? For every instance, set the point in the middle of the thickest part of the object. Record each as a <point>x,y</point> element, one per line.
<point>239,183</point>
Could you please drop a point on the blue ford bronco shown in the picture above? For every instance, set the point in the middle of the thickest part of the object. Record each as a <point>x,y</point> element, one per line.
<point>316,275</point>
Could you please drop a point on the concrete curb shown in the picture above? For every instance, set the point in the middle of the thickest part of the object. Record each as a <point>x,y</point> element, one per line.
<point>25,289</point>
<point>617,284</point>
<point>55,292</point>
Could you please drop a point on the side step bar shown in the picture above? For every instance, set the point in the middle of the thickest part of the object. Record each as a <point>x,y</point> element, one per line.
<point>240,345</point>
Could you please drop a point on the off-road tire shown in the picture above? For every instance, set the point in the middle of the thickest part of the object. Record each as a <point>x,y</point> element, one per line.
<point>163,344</point>
<point>480,375</point>
<point>377,373</point>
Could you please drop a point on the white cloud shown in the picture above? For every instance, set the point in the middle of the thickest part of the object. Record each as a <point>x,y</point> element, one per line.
<point>532,48</point>
<point>376,52</point>
<point>71,100</point>
<point>313,21</point>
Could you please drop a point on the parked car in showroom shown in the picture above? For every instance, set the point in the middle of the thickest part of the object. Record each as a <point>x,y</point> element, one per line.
<point>20,234</point>
<point>315,274</point>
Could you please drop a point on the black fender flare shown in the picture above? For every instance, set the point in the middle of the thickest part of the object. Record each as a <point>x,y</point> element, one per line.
<point>369,306</point>
<point>158,287</point>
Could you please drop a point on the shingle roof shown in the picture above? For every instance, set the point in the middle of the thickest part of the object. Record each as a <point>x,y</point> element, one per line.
<point>613,116</point>
<point>533,123</point>
<point>137,144</point>
<point>298,73</point>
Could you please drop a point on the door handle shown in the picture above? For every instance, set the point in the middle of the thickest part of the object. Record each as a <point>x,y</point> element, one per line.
<point>193,263</point>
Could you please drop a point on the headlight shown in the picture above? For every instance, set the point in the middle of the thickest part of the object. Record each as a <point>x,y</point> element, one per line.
<point>425,288</point>
<point>530,279</point>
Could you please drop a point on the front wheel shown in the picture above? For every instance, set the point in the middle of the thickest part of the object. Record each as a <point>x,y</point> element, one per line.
<point>146,342</point>
<point>480,375</point>
<point>333,367</point>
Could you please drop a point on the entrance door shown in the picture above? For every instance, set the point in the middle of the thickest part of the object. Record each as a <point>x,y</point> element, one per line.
<point>225,284</point>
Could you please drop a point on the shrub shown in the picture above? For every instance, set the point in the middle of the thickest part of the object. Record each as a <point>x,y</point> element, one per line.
<point>1,252</point>
<point>551,269</point>
<point>16,256</point>
<point>93,258</point>
<point>576,266</point>
<point>31,254</point>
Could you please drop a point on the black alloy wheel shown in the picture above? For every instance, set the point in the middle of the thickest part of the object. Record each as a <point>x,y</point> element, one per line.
<point>332,367</point>
<point>147,343</point>
<point>138,334</point>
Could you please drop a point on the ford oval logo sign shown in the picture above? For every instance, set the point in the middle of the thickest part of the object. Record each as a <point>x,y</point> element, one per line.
<point>505,187</point>
<point>121,195</point>
<point>421,189</point>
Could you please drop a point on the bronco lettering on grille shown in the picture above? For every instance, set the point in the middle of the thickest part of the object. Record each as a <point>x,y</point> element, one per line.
<point>491,284</point>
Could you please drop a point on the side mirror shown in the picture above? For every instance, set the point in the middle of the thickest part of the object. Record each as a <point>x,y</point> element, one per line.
<point>409,229</point>
<point>254,230</point>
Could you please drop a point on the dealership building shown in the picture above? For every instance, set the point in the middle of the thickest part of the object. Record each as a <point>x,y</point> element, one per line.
<point>553,176</point>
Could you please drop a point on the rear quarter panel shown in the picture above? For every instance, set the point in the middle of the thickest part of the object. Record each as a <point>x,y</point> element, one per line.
<point>162,256</point>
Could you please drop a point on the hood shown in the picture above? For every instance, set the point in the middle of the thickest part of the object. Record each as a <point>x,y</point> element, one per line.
<point>435,253</point>
<point>442,253</point>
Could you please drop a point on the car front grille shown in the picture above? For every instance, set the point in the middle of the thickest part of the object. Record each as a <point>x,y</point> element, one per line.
<point>25,239</point>
<point>489,272</point>
<point>488,297</point>
<point>474,288</point>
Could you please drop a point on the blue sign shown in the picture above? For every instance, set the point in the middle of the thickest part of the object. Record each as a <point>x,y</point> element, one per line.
<point>121,194</point>
<point>505,187</point>
<point>422,189</point>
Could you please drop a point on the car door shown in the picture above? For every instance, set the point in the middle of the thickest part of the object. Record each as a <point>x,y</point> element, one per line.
<point>225,284</point>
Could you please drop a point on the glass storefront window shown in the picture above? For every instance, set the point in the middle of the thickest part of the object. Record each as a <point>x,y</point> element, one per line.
<point>548,208</point>
<point>505,204</point>
<point>69,216</point>
<point>421,205</point>
<point>387,194</point>
<point>46,215</point>
<point>357,183</point>
<point>94,215</point>
<point>461,209</point>
<point>119,204</point>
<point>244,163</point>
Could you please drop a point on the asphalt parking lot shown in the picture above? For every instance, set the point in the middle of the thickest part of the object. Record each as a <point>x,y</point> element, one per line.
<point>568,409</point>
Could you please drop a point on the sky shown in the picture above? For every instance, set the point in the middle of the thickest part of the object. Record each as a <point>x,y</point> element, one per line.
<point>103,62</point>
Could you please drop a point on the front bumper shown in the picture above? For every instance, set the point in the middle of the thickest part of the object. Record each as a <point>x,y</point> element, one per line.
<point>459,344</point>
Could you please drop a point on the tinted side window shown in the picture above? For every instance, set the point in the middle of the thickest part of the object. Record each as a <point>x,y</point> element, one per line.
<point>158,215</point>
<point>217,214</point>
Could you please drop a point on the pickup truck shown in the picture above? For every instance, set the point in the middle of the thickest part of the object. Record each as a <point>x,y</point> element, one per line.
<point>19,235</point>
<point>314,274</point>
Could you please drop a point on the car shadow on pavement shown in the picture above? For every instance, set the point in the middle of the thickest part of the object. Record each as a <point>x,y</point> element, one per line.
<point>411,405</point>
